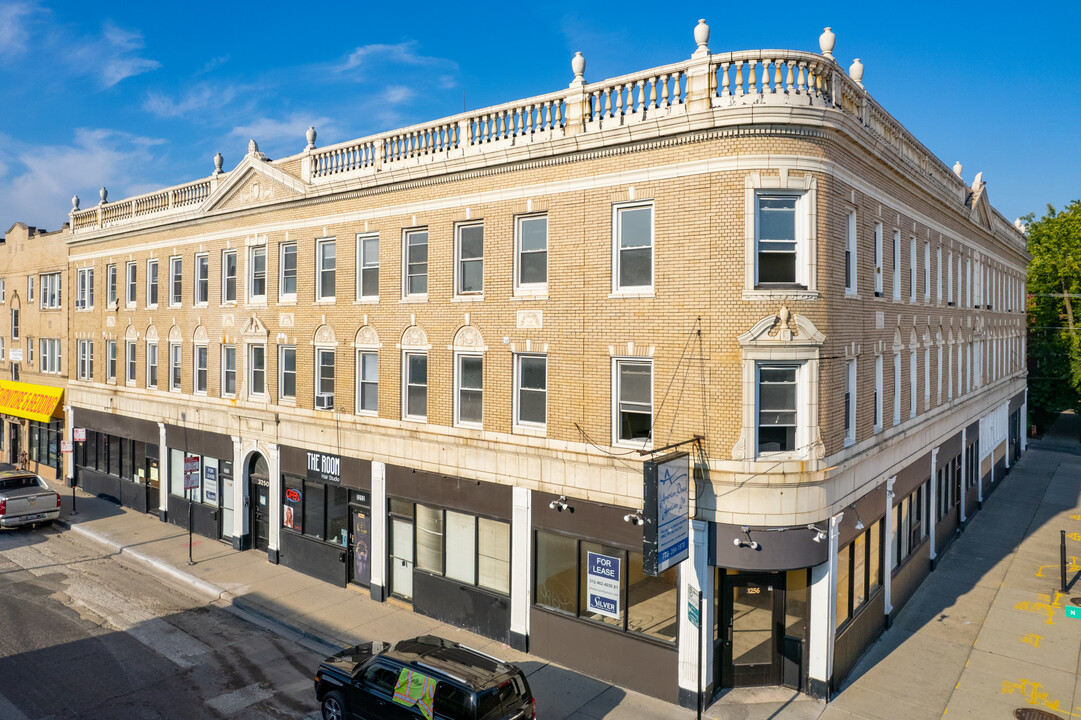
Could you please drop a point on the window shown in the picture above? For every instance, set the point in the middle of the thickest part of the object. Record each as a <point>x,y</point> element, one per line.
<point>913,382</point>
<point>30,287</point>
<point>368,264</point>
<point>316,509</point>
<point>257,370</point>
<point>938,276</point>
<point>176,281</point>
<point>645,605</point>
<point>50,355</point>
<point>228,276</point>
<point>174,367</point>
<point>531,253</point>
<point>201,356</point>
<point>110,360</point>
<point>531,379</point>
<point>469,407</point>
<point>50,290</point>
<point>897,388</point>
<point>202,279</point>
<point>469,270</point>
<point>228,370</point>
<point>84,288</point>
<point>896,264</point>
<point>368,382</point>
<point>878,259</point>
<point>416,262</point>
<point>152,283</point>
<point>3,291</point>
<point>878,394</point>
<point>129,358</point>
<point>776,407</point>
<point>634,402</point>
<point>30,351</point>
<point>949,278</point>
<point>912,270</point>
<point>463,547</point>
<point>859,572</point>
<point>85,362</point>
<point>850,402</point>
<point>850,254</point>
<point>909,527</point>
<point>15,323</point>
<point>324,379</point>
<point>151,364</point>
<point>927,272</point>
<point>287,372</point>
<point>257,274</point>
<point>326,256</point>
<point>416,386</point>
<point>1,357</point>
<point>287,281</point>
<point>777,240</point>
<point>110,285</point>
<point>633,247</point>
<point>131,273</point>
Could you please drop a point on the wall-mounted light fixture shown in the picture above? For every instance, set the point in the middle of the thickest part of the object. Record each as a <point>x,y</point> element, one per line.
<point>859,520</point>
<point>560,504</point>
<point>745,543</point>
<point>634,518</point>
<point>819,535</point>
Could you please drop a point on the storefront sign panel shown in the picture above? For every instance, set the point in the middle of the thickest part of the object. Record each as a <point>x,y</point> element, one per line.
<point>324,468</point>
<point>602,584</point>
<point>29,401</point>
<point>210,484</point>
<point>666,535</point>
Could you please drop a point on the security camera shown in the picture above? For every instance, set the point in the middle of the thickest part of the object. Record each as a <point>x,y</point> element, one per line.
<point>737,542</point>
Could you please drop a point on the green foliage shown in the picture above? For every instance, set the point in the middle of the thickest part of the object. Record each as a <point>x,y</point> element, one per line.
<point>1054,347</point>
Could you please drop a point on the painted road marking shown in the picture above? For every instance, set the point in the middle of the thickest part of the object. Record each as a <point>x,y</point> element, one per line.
<point>1032,639</point>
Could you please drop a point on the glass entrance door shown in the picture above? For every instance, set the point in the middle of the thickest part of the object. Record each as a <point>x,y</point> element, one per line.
<point>361,539</point>
<point>401,558</point>
<point>750,628</point>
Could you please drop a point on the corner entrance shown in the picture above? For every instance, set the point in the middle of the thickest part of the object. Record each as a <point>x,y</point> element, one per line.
<point>259,506</point>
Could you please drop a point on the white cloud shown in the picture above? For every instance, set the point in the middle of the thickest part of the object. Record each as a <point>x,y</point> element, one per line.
<point>112,57</point>
<point>43,178</point>
<point>396,94</point>
<point>369,59</point>
<point>196,98</point>
<point>13,27</point>
<point>285,135</point>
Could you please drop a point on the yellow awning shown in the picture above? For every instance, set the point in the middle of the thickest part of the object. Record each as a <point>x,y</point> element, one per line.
<point>25,400</point>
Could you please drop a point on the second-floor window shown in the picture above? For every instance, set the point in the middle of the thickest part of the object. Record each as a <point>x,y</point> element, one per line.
<point>416,262</point>
<point>850,402</point>
<point>129,362</point>
<point>50,355</point>
<point>50,290</point>
<point>469,247</point>
<point>152,283</point>
<point>531,396</point>
<point>228,276</point>
<point>200,369</point>
<point>176,281</point>
<point>324,379</point>
<point>531,256</point>
<point>777,415</point>
<point>151,364</point>
<point>202,279</point>
<point>257,370</point>
<point>85,364</point>
<point>287,372</point>
<point>257,274</point>
<point>416,386</point>
<point>878,259</point>
<point>850,254</point>
<point>470,400</point>
<point>368,382</point>
<point>634,402</point>
<point>30,288</point>
<point>326,257</point>
<point>228,370</point>
<point>84,288</point>
<point>15,323</point>
<point>110,360</point>
<point>110,285</point>
<point>174,366</point>
<point>633,247</point>
<point>132,278</point>
<point>287,283</point>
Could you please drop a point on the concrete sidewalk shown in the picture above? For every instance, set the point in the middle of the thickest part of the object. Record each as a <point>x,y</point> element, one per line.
<point>985,634</point>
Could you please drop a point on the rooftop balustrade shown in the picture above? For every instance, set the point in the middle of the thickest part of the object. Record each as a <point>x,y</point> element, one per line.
<point>705,83</point>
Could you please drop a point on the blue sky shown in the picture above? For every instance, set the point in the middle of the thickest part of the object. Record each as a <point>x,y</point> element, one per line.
<point>139,95</point>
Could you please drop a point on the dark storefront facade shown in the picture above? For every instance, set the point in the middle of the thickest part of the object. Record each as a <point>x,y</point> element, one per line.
<point>118,459</point>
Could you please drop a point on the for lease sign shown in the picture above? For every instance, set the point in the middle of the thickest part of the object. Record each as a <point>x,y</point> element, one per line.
<point>602,584</point>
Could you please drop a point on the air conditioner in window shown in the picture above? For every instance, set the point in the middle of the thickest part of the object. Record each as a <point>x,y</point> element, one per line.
<point>324,401</point>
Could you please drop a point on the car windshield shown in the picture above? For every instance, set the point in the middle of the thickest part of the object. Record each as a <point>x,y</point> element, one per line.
<point>18,483</point>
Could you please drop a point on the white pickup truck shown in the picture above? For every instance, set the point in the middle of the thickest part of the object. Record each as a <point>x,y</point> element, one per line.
<point>25,499</point>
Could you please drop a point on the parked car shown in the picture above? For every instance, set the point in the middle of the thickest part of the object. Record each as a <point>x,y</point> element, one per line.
<point>26,499</point>
<point>424,678</point>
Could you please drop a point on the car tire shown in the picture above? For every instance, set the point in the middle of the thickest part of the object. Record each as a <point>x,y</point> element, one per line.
<point>333,706</point>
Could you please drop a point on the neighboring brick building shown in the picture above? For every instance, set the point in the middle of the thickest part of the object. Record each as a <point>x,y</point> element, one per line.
<point>425,362</point>
<point>33,330</point>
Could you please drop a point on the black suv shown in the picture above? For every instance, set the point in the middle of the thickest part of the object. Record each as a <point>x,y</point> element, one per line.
<point>424,678</point>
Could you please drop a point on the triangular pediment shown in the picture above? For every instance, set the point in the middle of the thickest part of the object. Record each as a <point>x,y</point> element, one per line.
<point>254,329</point>
<point>783,329</point>
<point>981,208</point>
<point>254,182</point>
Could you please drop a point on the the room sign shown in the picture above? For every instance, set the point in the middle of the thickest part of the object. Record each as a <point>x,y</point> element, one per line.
<point>324,468</point>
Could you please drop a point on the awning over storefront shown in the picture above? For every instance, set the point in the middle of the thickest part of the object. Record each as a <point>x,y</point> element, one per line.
<point>25,400</point>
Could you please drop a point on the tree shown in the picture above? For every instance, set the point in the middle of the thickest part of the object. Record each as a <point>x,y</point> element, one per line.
<point>1054,286</point>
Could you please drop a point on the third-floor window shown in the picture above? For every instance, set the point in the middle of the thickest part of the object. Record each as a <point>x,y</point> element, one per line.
<point>50,290</point>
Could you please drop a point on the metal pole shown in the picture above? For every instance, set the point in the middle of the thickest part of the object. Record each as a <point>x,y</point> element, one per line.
<point>191,495</point>
<point>698,681</point>
<point>1062,559</point>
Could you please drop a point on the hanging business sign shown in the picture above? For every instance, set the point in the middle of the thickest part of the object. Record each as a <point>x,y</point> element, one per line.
<point>602,584</point>
<point>666,533</point>
<point>324,468</point>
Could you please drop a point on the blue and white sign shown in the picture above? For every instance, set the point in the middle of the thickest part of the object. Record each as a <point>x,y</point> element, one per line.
<point>210,484</point>
<point>666,535</point>
<point>602,584</point>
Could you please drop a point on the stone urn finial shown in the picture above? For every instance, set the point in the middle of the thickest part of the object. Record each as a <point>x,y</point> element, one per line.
<point>855,71</point>
<point>218,162</point>
<point>957,168</point>
<point>701,36</point>
<point>104,194</point>
<point>785,315</point>
<point>310,136</point>
<point>826,41</point>
<point>578,65</point>
<point>74,203</point>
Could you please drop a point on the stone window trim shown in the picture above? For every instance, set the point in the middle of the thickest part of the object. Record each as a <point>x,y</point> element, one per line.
<point>525,288</point>
<point>462,259</point>
<point>782,338</point>
<point>633,291</point>
<point>468,342</point>
<point>805,186</point>
<point>414,341</point>
<point>366,341</point>
<point>617,362</point>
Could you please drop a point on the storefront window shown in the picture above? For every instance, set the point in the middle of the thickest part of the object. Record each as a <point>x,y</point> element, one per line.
<point>795,603</point>
<point>875,557</point>
<point>316,510</point>
<point>557,572</point>
<point>337,515</point>
<point>859,570</point>
<point>429,539</point>
<point>493,555</point>
<point>844,561</point>
<point>461,547</point>
<point>652,601</point>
